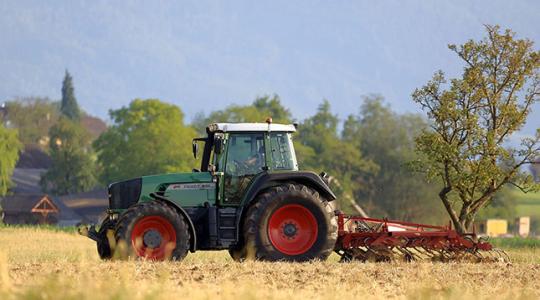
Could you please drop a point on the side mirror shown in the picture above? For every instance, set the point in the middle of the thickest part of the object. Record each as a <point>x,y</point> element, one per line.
<point>218,145</point>
<point>195,148</point>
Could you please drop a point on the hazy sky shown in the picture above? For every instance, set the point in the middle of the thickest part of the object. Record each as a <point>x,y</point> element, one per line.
<point>203,55</point>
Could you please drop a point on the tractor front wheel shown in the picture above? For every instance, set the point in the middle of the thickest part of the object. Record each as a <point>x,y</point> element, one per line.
<point>290,223</point>
<point>154,231</point>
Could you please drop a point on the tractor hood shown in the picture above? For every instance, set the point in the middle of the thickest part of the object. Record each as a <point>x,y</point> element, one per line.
<point>124,194</point>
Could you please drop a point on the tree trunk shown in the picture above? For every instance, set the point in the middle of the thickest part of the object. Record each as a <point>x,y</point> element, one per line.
<point>469,221</point>
<point>465,224</point>
<point>458,224</point>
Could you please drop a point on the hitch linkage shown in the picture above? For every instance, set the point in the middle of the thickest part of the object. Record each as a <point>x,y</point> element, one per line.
<point>89,232</point>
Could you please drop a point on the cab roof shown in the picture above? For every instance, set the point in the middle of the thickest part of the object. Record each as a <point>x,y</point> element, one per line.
<point>251,127</point>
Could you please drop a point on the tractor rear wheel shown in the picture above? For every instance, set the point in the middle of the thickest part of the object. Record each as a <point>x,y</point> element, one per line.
<point>154,231</point>
<point>291,223</point>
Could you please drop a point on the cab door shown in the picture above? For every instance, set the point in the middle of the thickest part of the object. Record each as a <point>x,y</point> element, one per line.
<point>245,158</point>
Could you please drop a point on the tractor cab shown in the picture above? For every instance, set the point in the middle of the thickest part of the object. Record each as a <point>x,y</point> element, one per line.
<point>237,152</point>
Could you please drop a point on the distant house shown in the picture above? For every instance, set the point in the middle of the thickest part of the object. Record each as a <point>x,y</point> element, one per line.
<point>29,209</point>
<point>27,204</point>
<point>68,210</point>
<point>33,157</point>
<point>95,126</point>
<point>26,181</point>
<point>90,206</point>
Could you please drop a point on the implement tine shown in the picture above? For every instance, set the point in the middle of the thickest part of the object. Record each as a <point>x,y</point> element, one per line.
<point>407,255</point>
<point>412,255</point>
<point>445,255</point>
<point>381,255</point>
<point>423,253</point>
<point>479,255</point>
<point>494,255</point>
<point>504,255</point>
<point>431,254</point>
<point>500,255</point>
<point>490,256</point>
<point>354,254</point>
<point>454,254</point>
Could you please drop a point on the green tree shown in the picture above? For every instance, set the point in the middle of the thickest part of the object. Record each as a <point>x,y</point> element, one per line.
<point>258,111</point>
<point>319,148</point>
<point>33,117</point>
<point>502,206</point>
<point>73,167</point>
<point>69,106</point>
<point>387,139</point>
<point>471,119</point>
<point>147,137</point>
<point>272,107</point>
<point>9,149</point>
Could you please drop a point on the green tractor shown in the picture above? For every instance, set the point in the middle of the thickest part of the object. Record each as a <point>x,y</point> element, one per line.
<point>248,197</point>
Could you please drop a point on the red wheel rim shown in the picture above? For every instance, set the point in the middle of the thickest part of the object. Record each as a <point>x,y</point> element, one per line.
<point>292,229</point>
<point>162,233</point>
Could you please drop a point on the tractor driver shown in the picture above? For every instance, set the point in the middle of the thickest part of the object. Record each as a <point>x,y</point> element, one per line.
<point>255,162</point>
<point>243,173</point>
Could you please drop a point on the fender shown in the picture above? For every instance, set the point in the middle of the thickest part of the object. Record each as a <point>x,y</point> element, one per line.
<point>193,242</point>
<point>265,180</point>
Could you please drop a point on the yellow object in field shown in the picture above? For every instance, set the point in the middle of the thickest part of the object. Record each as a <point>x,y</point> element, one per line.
<point>496,227</point>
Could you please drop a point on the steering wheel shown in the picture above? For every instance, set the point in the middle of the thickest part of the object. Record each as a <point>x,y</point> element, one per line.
<point>241,167</point>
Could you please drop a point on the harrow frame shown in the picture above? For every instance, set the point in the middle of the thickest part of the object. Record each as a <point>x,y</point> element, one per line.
<point>361,238</point>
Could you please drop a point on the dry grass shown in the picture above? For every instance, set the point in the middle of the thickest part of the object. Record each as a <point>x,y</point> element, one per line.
<point>40,264</point>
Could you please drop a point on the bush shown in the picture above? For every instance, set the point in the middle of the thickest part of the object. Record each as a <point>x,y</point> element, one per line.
<point>515,242</point>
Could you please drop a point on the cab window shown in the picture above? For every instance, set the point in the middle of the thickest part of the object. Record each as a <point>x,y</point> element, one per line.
<point>245,154</point>
<point>282,151</point>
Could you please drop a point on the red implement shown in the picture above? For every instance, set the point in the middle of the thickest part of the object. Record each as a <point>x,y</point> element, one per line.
<point>368,239</point>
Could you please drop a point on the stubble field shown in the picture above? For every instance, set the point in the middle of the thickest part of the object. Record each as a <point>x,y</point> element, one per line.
<point>43,264</point>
